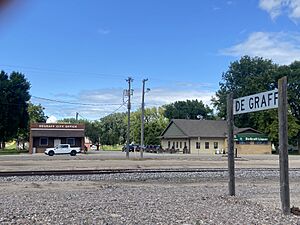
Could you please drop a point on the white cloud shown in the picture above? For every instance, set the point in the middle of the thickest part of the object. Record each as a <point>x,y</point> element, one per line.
<point>106,101</point>
<point>273,7</point>
<point>161,96</point>
<point>215,8</point>
<point>282,48</point>
<point>103,31</point>
<point>278,7</point>
<point>295,9</point>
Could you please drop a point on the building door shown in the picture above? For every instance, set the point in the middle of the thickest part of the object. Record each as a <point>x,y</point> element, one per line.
<point>57,142</point>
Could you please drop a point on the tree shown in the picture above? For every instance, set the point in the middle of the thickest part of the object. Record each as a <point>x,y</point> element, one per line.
<point>244,77</point>
<point>4,82</point>
<point>249,76</point>
<point>155,123</point>
<point>14,90</point>
<point>36,115</point>
<point>92,128</point>
<point>93,131</point>
<point>189,109</point>
<point>292,71</point>
<point>113,129</point>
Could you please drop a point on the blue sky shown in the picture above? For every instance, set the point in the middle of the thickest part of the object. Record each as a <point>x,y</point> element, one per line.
<point>82,51</point>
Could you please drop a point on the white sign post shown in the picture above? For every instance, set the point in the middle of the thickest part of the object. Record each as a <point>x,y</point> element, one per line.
<point>257,102</point>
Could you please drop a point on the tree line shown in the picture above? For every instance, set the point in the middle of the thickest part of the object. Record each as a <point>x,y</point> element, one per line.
<point>16,111</point>
<point>246,76</point>
<point>112,129</point>
<point>251,75</point>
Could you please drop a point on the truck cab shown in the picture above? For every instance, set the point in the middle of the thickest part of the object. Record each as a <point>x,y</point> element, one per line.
<point>62,149</point>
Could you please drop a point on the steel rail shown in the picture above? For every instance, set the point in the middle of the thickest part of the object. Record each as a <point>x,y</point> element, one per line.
<point>118,171</point>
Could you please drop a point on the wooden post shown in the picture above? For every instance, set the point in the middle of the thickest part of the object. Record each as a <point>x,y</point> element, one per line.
<point>231,183</point>
<point>283,146</point>
<point>142,119</point>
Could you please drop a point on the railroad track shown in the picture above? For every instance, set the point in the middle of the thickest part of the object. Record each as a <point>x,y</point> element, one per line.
<point>118,171</point>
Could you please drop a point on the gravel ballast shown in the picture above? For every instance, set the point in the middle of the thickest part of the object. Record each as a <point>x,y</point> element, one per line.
<point>151,198</point>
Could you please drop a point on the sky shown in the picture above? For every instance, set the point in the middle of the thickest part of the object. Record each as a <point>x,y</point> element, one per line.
<point>77,54</point>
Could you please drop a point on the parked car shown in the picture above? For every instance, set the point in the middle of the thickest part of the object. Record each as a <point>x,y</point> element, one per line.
<point>132,148</point>
<point>153,148</point>
<point>93,147</point>
<point>62,149</point>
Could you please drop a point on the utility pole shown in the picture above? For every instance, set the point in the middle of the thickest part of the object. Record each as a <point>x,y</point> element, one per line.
<point>231,183</point>
<point>142,119</point>
<point>129,80</point>
<point>283,145</point>
<point>77,116</point>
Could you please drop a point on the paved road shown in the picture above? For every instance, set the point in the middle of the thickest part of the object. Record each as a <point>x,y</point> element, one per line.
<point>111,159</point>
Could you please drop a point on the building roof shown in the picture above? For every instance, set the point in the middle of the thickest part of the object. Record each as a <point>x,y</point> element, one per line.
<point>57,133</point>
<point>197,128</point>
<point>247,130</point>
<point>183,128</point>
<point>56,130</point>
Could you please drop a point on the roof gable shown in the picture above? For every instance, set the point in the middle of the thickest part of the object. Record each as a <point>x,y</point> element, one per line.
<point>173,131</point>
<point>198,128</point>
<point>247,130</point>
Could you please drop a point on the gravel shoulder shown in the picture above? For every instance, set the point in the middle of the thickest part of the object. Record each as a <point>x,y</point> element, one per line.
<point>152,198</point>
<point>111,160</point>
<point>166,198</point>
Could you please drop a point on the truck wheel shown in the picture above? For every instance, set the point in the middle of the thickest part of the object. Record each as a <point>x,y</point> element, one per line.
<point>73,153</point>
<point>51,153</point>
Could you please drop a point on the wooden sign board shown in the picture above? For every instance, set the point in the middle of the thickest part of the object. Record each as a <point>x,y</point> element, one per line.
<point>252,103</point>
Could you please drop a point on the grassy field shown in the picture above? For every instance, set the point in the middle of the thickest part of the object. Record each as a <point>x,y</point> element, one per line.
<point>111,147</point>
<point>11,149</point>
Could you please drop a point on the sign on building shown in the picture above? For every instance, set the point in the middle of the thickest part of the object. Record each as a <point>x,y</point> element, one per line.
<point>256,102</point>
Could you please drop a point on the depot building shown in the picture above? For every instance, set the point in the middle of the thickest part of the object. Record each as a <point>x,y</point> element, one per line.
<point>210,136</point>
<point>48,135</point>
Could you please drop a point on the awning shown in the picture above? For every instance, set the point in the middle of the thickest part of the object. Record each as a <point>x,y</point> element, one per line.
<point>57,133</point>
<point>250,137</point>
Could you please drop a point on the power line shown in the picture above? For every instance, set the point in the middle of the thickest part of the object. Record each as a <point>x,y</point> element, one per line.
<point>73,103</point>
<point>23,104</point>
<point>118,108</point>
<point>82,116</point>
<point>123,104</point>
<point>71,73</point>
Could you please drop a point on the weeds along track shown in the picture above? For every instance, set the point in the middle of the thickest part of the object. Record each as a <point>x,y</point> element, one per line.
<point>128,171</point>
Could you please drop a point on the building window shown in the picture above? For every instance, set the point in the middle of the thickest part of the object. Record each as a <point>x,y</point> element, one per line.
<point>206,145</point>
<point>176,144</point>
<point>43,141</point>
<point>260,142</point>
<point>169,144</point>
<point>243,142</point>
<point>185,144</point>
<point>71,141</point>
<point>173,146</point>
<point>180,144</point>
<point>197,145</point>
<point>216,145</point>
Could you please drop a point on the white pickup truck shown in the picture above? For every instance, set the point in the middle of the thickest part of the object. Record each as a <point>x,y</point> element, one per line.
<point>62,149</point>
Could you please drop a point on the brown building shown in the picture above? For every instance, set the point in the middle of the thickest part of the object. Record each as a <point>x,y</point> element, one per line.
<point>210,136</point>
<point>48,135</point>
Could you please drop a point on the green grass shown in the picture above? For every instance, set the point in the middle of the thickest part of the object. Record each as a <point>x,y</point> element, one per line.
<point>11,149</point>
<point>111,147</point>
<point>290,153</point>
<point>11,145</point>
